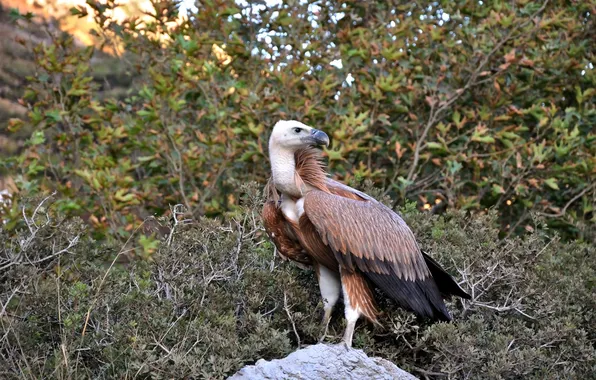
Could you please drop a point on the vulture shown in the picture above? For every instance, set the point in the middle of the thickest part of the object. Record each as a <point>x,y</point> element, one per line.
<point>353,242</point>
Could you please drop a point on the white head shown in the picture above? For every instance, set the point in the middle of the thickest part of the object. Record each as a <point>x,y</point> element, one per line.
<point>287,137</point>
<point>291,135</point>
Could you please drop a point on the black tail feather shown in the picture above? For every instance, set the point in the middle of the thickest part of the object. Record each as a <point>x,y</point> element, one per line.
<point>420,296</point>
<point>446,284</point>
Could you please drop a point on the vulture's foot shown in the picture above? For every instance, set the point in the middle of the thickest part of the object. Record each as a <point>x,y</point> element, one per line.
<point>349,334</point>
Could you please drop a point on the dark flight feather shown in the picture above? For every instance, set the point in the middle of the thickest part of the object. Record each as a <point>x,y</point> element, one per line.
<point>446,284</point>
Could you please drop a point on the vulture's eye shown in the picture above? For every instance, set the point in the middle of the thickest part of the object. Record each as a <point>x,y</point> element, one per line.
<point>297,130</point>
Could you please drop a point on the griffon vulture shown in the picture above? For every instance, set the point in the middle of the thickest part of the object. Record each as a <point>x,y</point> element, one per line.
<point>351,240</point>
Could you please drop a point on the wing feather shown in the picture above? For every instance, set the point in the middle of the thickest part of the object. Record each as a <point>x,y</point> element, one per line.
<point>367,231</point>
<point>366,236</point>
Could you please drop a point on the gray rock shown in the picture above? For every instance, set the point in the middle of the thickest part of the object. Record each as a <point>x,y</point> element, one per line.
<point>323,361</point>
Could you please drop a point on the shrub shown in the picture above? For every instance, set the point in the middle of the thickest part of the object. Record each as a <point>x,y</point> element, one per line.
<point>213,298</point>
<point>463,105</point>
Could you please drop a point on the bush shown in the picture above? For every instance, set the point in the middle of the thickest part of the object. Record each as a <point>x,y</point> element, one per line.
<point>460,105</point>
<point>213,298</point>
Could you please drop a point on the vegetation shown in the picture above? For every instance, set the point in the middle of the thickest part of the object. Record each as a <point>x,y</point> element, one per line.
<point>482,113</point>
<point>214,298</point>
<point>459,105</point>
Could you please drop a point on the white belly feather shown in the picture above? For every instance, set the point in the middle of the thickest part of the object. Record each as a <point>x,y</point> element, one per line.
<point>292,210</point>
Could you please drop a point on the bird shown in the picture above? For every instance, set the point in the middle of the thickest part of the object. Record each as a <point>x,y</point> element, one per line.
<point>353,242</point>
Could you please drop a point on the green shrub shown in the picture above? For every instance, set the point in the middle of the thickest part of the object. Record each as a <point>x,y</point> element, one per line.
<point>459,104</point>
<point>213,298</point>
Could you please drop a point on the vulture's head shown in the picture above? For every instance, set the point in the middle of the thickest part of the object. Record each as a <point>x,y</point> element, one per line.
<point>292,135</point>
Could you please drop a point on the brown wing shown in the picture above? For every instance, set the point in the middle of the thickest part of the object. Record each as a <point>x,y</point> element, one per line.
<point>355,285</point>
<point>447,285</point>
<point>282,235</point>
<point>346,191</point>
<point>366,236</point>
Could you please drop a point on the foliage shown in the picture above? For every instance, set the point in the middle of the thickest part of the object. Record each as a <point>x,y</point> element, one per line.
<point>214,298</point>
<point>462,105</point>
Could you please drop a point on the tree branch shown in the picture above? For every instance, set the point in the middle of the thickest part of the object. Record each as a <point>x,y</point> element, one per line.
<point>571,201</point>
<point>435,113</point>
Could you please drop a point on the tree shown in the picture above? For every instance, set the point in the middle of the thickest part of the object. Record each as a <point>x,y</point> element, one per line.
<point>462,105</point>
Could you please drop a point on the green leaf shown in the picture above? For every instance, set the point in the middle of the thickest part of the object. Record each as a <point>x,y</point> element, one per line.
<point>434,145</point>
<point>285,20</point>
<point>122,196</point>
<point>15,124</point>
<point>483,139</point>
<point>37,138</point>
<point>334,155</point>
<point>54,115</point>
<point>552,183</point>
<point>498,189</point>
<point>149,244</point>
<point>145,158</point>
<point>14,14</point>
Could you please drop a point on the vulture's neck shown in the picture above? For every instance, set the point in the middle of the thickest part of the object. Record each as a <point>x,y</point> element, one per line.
<point>283,169</point>
<point>296,173</point>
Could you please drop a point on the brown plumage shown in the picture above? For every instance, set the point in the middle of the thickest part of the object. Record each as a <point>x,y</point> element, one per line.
<point>351,234</point>
<point>359,293</point>
<point>310,168</point>
<point>281,232</point>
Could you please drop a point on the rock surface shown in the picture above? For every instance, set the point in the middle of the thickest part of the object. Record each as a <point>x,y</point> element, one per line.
<point>323,361</point>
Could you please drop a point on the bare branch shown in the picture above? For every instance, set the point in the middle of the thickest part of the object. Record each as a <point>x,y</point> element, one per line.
<point>39,206</point>
<point>571,201</point>
<point>422,137</point>
<point>504,308</point>
<point>122,250</point>
<point>176,210</point>
<point>287,309</point>
<point>5,305</point>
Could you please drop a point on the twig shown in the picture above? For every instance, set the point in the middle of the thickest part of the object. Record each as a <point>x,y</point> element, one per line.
<point>272,266</point>
<point>175,213</point>
<point>160,345</point>
<point>172,326</point>
<point>422,137</point>
<point>122,250</point>
<point>287,309</point>
<point>546,246</point>
<point>504,308</point>
<point>31,222</point>
<point>5,305</point>
<point>41,204</point>
<point>71,244</point>
<point>428,373</point>
<point>64,354</point>
<point>564,209</point>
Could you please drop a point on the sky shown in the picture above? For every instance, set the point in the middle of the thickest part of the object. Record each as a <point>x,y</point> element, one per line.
<point>190,4</point>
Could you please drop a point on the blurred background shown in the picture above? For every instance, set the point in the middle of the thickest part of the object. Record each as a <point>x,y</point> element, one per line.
<point>125,107</point>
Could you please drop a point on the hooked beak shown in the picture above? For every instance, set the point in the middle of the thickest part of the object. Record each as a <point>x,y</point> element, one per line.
<point>318,138</point>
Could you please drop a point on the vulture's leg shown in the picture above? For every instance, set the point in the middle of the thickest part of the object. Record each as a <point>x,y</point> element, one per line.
<point>352,315</point>
<point>358,301</point>
<point>330,287</point>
